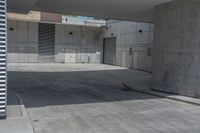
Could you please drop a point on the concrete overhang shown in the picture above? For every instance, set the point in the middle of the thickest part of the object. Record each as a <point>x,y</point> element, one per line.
<point>133,10</point>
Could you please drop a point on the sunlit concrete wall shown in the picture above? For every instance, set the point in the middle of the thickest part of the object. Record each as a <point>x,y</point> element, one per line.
<point>134,43</point>
<point>80,43</point>
<point>83,44</point>
<point>22,42</point>
<point>176,67</point>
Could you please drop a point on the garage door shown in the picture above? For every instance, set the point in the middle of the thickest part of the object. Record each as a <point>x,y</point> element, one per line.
<point>46,48</point>
<point>110,51</point>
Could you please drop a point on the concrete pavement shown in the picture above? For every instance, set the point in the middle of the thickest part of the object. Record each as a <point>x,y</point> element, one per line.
<point>70,99</point>
<point>17,120</point>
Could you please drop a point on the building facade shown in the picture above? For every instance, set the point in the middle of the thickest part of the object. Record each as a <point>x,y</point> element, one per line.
<point>134,43</point>
<point>71,44</point>
<point>29,42</point>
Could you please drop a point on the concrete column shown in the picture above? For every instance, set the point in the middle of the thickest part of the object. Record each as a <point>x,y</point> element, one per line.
<point>3,75</point>
<point>176,51</point>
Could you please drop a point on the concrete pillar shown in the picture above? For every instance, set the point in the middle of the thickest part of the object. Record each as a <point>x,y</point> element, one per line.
<point>176,53</point>
<point>3,75</point>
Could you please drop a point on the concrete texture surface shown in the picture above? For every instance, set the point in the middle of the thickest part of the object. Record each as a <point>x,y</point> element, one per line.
<point>130,86</point>
<point>83,99</point>
<point>176,48</point>
<point>133,48</point>
<point>17,121</point>
<point>85,44</point>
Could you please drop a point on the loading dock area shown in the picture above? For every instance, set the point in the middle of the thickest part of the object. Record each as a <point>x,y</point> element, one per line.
<point>78,98</point>
<point>52,79</point>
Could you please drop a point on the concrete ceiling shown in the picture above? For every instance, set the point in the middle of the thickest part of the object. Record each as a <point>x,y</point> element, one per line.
<point>134,10</point>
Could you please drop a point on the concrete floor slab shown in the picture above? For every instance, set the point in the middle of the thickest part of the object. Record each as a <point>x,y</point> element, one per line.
<point>17,125</point>
<point>84,101</point>
<point>16,121</point>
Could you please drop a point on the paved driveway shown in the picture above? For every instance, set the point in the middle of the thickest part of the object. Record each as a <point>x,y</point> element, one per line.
<point>84,98</point>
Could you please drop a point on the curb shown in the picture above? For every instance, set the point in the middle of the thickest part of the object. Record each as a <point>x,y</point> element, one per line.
<point>21,104</point>
<point>189,100</point>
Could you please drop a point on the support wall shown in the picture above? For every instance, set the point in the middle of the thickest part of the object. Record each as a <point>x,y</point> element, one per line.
<point>176,54</point>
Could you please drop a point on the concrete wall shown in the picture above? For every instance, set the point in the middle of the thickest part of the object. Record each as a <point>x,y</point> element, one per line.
<point>176,51</point>
<point>87,43</point>
<point>22,42</point>
<point>83,44</point>
<point>129,38</point>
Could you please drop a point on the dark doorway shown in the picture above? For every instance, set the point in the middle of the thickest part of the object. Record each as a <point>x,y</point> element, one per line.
<point>109,48</point>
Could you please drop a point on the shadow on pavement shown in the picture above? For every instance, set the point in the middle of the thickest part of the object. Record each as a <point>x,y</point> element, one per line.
<point>39,89</point>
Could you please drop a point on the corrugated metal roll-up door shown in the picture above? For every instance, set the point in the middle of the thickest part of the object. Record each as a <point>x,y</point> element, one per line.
<point>46,48</point>
<point>109,53</point>
<point>3,75</point>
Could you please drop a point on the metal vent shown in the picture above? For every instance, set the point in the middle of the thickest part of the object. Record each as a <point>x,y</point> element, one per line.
<point>3,74</point>
<point>46,47</point>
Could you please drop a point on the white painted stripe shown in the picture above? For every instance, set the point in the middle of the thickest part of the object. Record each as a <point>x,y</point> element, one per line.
<point>2,110</point>
<point>3,49</point>
<point>2,98</point>
<point>2,41</point>
<point>2,106</point>
<point>2,94</point>
<point>2,72</point>
<point>2,102</point>
<point>2,85</point>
